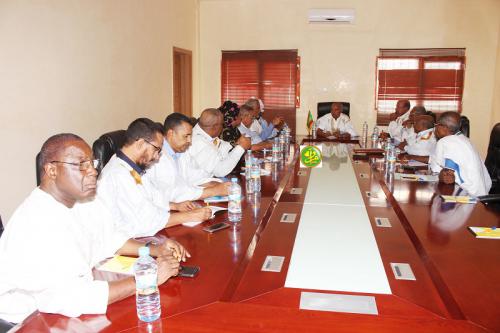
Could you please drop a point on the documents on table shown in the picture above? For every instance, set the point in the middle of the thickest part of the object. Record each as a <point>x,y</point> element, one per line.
<point>119,264</point>
<point>416,178</point>
<point>459,199</point>
<point>485,232</point>
<point>414,163</point>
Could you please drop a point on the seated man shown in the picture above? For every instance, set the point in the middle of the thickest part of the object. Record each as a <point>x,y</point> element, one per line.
<point>135,203</point>
<point>247,117</point>
<point>59,233</point>
<point>211,154</point>
<point>456,159</point>
<point>175,175</point>
<point>335,124</point>
<point>408,135</point>
<point>424,144</point>
<point>260,125</point>
<point>395,127</point>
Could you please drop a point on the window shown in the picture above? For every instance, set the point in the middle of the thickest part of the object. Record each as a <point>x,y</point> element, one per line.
<point>272,76</point>
<point>433,78</point>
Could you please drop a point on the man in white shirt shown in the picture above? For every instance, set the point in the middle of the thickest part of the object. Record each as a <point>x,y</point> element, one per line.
<point>425,141</point>
<point>395,127</point>
<point>408,134</point>
<point>456,159</point>
<point>211,154</point>
<point>247,117</point>
<point>335,124</point>
<point>59,233</point>
<point>175,175</point>
<point>260,125</point>
<point>135,203</point>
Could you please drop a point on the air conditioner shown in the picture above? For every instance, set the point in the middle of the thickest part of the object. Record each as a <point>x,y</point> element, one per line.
<point>331,15</point>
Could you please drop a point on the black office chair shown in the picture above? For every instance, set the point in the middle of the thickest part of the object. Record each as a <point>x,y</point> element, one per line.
<point>465,126</point>
<point>38,168</point>
<point>107,145</point>
<point>325,107</point>
<point>492,161</point>
<point>1,226</point>
<point>5,326</point>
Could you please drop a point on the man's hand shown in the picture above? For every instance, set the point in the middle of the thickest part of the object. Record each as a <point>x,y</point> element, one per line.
<point>170,247</point>
<point>383,135</point>
<point>393,116</point>
<point>168,266</point>
<point>276,121</point>
<point>447,176</point>
<point>183,206</point>
<point>402,145</point>
<point>244,142</point>
<point>200,214</point>
<point>404,158</point>
<point>322,133</point>
<point>344,135</point>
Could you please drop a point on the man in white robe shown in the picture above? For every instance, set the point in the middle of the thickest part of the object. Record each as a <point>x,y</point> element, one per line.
<point>59,233</point>
<point>335,124</point>
<point>176,175</point>
<point>136,205</point>
<point>265,129</point>
<point>396,127</point>
<point>425,141</point>
<point>456,159</point>
<point>209,153</point>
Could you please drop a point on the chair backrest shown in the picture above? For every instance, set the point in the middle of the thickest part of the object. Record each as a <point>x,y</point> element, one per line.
<point>1,226</point>
<point>465,126</point>
<point>38,168</point>
<point>325,107</point>
<point>107,145</point>
<point>492,161</point>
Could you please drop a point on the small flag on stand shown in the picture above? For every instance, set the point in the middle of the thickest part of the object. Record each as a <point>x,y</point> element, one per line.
<point>310,122</point>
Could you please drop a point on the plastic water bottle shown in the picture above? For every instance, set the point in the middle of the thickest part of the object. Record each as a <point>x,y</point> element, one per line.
<point>283,144</point>
<point>391,161</point>
<point>375,131</point>
<point>146,281</point>
<point>248,163</point>
<point>255,176</point>
<point>234,204</point>
<point>276,150</point>
<point>314,129</point>
<point>364,135</point>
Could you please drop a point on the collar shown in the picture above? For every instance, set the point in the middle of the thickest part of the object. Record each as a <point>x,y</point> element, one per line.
<point>170,151</point>
<point>199,131</point>
<point>131,163</point>
<point>426,135</point>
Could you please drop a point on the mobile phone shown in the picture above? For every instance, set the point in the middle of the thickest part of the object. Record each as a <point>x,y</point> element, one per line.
<point>188,271</point>
<point>216,227</point>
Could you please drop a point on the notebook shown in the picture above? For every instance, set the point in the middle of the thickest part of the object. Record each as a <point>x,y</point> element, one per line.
<point>485,232</point>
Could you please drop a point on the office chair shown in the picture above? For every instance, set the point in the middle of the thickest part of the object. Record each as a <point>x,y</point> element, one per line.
<point>107,145</point>
<point>5,326</point>
<point>1,226</point>
<point>465,126</point>
<point>325,107</point>
<point>492,161</point>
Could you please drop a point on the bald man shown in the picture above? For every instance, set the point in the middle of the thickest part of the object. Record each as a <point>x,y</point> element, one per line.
<point>408,134</point>
<point>211,154</point>
<point>401,115</point>
<point>59,233</point>
<point>456,159</point>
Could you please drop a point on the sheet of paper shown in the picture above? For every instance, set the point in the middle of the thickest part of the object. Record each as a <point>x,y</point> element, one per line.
<point>416,163</point>
<point>214,209</point>
<point>217,199</point>
<point>119,264</point>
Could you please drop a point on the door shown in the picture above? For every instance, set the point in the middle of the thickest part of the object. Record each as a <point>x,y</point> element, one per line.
<point>182,60</point>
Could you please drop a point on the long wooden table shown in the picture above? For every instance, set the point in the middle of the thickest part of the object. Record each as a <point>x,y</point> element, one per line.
<point>455,290</point>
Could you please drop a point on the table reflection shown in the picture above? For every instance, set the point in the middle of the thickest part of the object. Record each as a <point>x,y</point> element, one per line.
<point>335,154</point>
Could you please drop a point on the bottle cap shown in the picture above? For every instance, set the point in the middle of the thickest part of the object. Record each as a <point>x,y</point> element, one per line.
<point>143,251</point>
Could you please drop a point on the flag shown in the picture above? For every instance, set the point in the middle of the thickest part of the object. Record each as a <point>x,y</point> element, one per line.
<point>310,121</point>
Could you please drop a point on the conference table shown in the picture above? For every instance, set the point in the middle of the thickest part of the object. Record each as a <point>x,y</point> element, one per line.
<point>335,248</point>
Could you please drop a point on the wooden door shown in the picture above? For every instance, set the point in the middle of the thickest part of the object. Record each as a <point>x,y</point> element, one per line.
<point>182,60</point>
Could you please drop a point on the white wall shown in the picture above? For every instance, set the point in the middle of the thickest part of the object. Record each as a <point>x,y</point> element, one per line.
<point>338,62</point>
<point>82,66</point>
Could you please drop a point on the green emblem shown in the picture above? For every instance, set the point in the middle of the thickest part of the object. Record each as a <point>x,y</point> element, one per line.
<point>310,156</point>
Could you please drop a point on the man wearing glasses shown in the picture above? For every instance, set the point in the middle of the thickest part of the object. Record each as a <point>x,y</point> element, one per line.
<point>59,233</point>
<point>137,206</point>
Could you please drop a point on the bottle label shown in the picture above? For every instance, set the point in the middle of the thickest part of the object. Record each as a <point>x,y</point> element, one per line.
<point>146,284</point>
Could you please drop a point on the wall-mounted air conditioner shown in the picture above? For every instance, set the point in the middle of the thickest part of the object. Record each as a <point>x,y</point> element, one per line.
<point>331,15</point>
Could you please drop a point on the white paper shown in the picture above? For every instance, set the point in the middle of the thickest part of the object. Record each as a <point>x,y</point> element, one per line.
<point>214,209</point>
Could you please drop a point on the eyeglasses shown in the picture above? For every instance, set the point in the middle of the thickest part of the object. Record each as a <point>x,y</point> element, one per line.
<point>83,166</point>
<point>158,149</point>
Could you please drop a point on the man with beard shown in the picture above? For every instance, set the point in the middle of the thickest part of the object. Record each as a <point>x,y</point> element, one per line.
<point>59,233</point>
<point>175,175</point>
<point>456,159</point>
<point>136,205</point>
